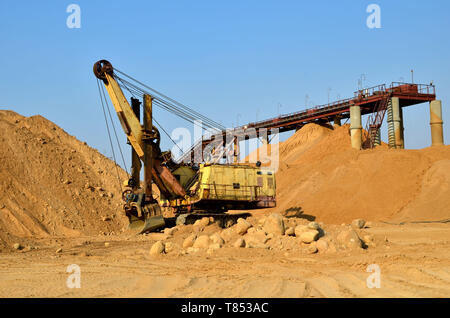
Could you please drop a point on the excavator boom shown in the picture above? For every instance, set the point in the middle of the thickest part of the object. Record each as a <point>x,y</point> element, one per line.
<point>144,140</point>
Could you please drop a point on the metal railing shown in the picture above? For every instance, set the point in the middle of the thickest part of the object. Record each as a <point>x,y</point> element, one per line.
<point>231,192</point>
<point>400,87</point>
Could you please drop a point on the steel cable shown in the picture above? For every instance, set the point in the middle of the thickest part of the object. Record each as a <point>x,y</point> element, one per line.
<point>109,135</point>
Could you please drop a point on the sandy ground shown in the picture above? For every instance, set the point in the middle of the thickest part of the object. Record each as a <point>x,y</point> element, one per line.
<point>414,262</point>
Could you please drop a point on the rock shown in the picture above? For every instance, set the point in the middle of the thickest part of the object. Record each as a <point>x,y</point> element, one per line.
<point>312,249</point>
<point>313,226</point>
<point>214,246</point>
<point>204,221</point>
<point>170,231</point>
<point>217,239</point>
<point>309,236</point>
<point>192,249</point>
<point>290,231</point>
<point>368,238</point>
<point>349,238</point>
<point>189,241</point>
<point>240,242</point>
<point>202,241</point>
<point>227,234</point>
<point>274,224</point>
<point>358,223</point>
<point>59,250</point>
<point>17,246</point>
<point>251,230</point>
<point>242,226</point>
<point>198,223</point>
<point>256,240</point>
<point>169,247</point>
<point>322,245</point>
<point>261,221</point>
<point>106,218</point>
<point>299,229</point>
<point>157,248</point>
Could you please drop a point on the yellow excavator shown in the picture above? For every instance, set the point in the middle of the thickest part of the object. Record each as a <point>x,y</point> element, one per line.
<point>187,191</point>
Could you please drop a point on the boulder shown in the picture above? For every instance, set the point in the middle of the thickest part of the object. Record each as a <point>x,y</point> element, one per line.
<point>358,223</point>
<point>242,226</point>
<point>198,223</point>
<point>217,239</point>
<point>322,245</point>
<point>312,249</point>
<point>170,231</point>
<point>252,230</point>
<point>228,233</point>
<point>313,226</point>
<point>169,247</point>
<point>189,241</point>
<point>214,246</point>
<point>204,221</point>
<point>192,249</point>
<point>261,221</point>
<point>349,238</point>
<point>157,248</point>
<point>240,242</point>
<point>274,224</point>
<point>256,240</point>
<point>290,231</point>
<point>299,229</point>
<point>309,236</point>
<point>202,241</point>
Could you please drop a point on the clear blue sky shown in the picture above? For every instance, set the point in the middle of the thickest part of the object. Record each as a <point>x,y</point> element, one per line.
<point>234,61</point>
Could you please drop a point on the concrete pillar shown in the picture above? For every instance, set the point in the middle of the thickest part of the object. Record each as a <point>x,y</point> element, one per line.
<point>355,126</point>
<point>436,123</point>
<point>397,117</point>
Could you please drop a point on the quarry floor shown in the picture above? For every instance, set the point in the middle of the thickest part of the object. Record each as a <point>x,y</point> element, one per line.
<point>414,261</point>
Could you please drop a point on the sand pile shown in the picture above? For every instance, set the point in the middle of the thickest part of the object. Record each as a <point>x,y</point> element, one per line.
<point>53,184</point>
<point>322,176</point>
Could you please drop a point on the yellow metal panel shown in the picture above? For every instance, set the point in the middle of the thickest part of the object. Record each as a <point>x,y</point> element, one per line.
<point>133,127</point>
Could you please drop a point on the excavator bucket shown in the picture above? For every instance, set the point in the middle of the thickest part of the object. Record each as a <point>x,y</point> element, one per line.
<point>151,218</point>
<point>141,225</point>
